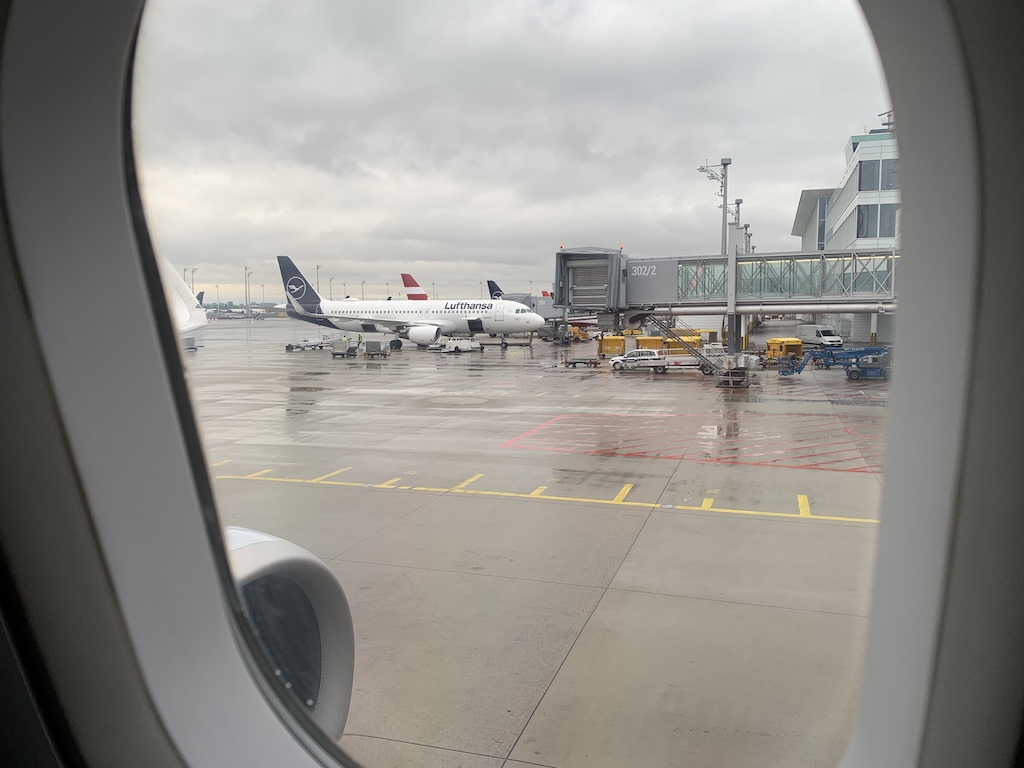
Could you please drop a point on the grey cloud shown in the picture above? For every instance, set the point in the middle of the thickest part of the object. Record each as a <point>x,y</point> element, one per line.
<point>466,133</point>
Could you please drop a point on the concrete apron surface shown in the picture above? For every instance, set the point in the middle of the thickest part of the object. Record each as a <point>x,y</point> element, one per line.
<point>564,567</point>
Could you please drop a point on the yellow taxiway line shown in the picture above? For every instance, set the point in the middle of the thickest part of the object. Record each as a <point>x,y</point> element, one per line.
<point>707,505</point>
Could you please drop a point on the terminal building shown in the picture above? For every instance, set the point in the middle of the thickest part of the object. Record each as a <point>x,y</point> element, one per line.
<point>861,213</point>
<point>844,273</point>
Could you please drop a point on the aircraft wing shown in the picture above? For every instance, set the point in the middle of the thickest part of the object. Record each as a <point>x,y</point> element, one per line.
<point>187,313</point>
<point>392,325</point>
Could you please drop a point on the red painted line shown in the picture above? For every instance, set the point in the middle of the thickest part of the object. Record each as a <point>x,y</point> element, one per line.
<point>677,439</point>
<point>824,453</point>
<point>784,449</point>
<point>823,464</point>
<point>539,427</point>
<point>825,445</point>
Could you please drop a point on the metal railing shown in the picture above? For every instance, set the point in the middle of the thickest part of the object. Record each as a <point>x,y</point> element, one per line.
<point>832,276</point>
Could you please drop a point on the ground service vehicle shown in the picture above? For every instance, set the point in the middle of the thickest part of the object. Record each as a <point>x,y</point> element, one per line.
<point>459,345</point>
<point>827,357</point>
<point>345,348</point>
<point>869,367</point>
<point>662,361</point>
<point>321,343</point>
<point>818,336</point>
<point>115,604</point>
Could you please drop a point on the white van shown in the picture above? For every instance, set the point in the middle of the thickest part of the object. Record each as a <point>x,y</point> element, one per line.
<point>818,336</point>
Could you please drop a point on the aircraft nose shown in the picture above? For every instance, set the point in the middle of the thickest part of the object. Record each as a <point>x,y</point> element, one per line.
<point>536,321</point>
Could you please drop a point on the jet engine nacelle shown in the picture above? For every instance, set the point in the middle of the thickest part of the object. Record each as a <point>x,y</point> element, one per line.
<point>424,335</point>
<point>301,616</point>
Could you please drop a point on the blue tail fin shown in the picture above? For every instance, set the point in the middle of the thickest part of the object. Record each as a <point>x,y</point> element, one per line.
<point>494,290</point>
<point>301,294</point>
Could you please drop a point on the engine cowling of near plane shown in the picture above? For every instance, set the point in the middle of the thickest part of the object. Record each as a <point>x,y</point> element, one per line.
<point>301,617</point>
<point>424,335</point>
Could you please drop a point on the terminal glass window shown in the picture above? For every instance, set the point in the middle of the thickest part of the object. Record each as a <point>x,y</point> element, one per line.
<point>868,175</point>
<point>891,174</point>
<point>887,219</point>
<point>867,221</point>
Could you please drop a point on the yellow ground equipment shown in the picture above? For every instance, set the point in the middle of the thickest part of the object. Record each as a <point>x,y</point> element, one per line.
<point>783,347</point>
<point>611,345</point>
<point>649,342</point>
<point>690,341</point>
<point>578,334</point>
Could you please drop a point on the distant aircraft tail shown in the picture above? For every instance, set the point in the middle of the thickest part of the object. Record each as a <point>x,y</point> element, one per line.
<point>301,294</point>
<point>493,289</point>
<point>545,293</point>
<point>199,298</point>
<point>412,289</point>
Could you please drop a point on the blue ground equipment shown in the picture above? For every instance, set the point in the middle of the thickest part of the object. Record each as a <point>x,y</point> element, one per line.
<point>859,362</point>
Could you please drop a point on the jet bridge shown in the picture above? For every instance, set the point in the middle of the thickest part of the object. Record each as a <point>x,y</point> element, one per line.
<point>591,279</point>
<point>606,280</point>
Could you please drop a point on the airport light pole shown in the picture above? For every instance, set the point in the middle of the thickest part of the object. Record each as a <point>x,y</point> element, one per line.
<point>263,304</point>
<point>722,178</point>
<point>318,278</point>
<point>248,271</point>
<point>344,290</point>
<point>330,288</point>
<point>218,301</point>
<point>184,274</point>
<point>362,290</point>
<point>194,270</point>
<point>481,289</point>
<point>387,288</point>
<point>433,291</point>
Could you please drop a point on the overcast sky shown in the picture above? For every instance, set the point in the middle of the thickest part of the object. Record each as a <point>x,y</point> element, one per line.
<point>461,140</point>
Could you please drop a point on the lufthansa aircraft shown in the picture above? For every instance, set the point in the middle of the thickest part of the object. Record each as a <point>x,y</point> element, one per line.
<point>422,323</point>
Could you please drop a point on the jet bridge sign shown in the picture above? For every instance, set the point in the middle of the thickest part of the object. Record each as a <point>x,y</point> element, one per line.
<point>652,282</point>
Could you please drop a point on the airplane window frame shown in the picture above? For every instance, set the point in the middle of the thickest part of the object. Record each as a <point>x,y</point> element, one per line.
<point>64,192</point>
<point>134,526</point>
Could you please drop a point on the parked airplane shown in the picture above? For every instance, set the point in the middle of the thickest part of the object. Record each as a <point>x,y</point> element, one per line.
<point>186,311</point>
<point>412,289</point>
<point>422,323</point>
<point>575,318</point>
<point>496,292</point>
<point>256,313</point>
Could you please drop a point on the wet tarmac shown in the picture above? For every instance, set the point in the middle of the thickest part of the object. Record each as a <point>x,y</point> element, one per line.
<point>564,567</point>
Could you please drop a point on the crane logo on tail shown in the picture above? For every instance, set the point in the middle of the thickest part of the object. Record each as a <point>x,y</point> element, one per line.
<point>296,287</point>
